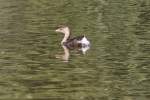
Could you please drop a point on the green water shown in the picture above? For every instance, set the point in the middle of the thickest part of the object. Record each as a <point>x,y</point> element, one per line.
<point>115,68</point>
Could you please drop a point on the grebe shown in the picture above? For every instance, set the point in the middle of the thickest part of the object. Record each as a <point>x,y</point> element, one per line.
<point>71,43</point>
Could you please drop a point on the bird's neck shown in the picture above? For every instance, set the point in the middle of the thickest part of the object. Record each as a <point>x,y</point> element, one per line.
<point>66,36</point>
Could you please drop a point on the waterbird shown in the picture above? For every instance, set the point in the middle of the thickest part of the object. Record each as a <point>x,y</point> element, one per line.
<point>80,42</point>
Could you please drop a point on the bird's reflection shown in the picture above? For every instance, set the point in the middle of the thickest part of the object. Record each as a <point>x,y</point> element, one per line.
<point>66,55</point>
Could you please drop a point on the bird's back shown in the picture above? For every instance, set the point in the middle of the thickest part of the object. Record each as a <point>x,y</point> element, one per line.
<point>74,42</point>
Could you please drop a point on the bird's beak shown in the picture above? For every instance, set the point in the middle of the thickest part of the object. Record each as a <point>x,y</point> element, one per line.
<point>56,30</point>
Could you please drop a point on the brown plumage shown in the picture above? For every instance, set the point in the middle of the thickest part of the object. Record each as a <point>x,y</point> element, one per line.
<point>71,43</point>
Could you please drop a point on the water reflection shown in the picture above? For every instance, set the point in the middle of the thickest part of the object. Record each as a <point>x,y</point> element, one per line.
<point>65,56</point>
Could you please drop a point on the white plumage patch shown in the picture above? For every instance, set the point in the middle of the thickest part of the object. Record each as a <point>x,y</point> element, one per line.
<point>84,41</point>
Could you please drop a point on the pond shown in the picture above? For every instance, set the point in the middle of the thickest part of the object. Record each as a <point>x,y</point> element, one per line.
<point>116,67</point>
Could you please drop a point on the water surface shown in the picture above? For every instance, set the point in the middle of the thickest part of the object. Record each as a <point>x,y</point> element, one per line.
<point>115,68</point>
